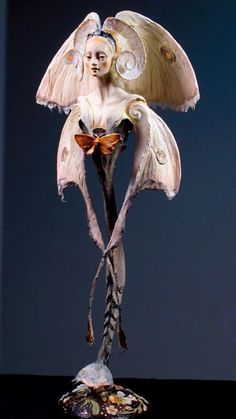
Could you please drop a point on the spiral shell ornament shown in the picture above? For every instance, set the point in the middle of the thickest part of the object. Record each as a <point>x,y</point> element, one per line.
<point>131,62</point>
<point>127,66</point>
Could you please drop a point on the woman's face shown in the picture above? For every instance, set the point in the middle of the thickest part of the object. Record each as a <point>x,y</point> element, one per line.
<point>98,56</point>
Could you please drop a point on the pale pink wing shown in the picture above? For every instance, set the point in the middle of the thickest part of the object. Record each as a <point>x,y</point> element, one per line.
<point>63,81</point>
<point>156,162</point>
<point>168,78</point>
<point>71,170</point>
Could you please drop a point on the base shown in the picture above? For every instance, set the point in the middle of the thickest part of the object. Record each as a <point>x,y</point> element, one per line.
<point>110,402</point>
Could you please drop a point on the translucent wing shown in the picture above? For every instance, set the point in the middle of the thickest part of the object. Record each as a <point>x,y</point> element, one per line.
<point>108,143</point>
<point>168,78</point>
<point>71,170</point>
<point>156,162</point>
<point>63,81</point>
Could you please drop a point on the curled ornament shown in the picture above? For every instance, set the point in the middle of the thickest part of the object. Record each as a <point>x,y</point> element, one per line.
<point>131,61</point>
<point>127,66</point>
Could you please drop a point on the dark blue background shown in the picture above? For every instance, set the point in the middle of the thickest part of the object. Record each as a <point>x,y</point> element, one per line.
<point>179,307</point>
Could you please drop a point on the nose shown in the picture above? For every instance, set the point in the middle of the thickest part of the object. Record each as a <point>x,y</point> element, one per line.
<point>94,62</point>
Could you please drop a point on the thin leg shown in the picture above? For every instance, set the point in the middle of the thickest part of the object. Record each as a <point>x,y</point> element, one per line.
<point>115,283</point>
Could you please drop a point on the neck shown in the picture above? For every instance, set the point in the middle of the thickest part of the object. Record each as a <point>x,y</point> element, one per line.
<point>104,87</point>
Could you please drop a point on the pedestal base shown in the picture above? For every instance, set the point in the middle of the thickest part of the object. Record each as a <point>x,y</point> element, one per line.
<point>110,402</point>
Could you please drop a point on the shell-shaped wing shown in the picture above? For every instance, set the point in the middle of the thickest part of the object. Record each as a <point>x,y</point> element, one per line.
<point>132,58</point>
<point>71,170</point>
<point>156,162</point>
<point>168,78</point>
<point>63,81</point>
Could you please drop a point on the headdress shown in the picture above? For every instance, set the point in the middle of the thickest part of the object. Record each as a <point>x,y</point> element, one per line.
<point>104,35</point>
<point>149,62</point>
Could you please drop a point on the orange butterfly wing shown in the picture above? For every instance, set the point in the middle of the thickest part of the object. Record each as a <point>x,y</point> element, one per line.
<point>108,142</point>
<point>86,142</point>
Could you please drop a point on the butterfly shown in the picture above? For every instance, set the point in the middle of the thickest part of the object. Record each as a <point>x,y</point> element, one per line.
<point>106,143</point>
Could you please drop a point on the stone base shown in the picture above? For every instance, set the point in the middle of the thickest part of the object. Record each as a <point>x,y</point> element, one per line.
<point>110,402</point>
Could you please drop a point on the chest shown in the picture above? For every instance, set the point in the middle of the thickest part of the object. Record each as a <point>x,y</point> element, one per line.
<point>102,116</point>
<point>107,116</point>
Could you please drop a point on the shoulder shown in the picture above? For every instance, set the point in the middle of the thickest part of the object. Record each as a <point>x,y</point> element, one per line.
<point>133,100</point>
<point>136,98</point>
<point>129,97</point>
<point>135,107</point>
<point>82,100</point>
<point>82,108</point>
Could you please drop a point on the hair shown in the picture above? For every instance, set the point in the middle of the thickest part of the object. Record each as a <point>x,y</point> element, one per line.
<point>105,35</point>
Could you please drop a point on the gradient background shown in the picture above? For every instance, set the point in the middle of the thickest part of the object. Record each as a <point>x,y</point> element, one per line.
<point>179,308</point>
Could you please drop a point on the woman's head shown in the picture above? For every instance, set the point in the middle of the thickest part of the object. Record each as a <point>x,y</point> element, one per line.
<point>99,55</point>
<point>65,79</point>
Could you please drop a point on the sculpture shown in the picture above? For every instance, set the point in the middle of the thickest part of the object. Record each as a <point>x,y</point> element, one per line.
<point>104,76</point>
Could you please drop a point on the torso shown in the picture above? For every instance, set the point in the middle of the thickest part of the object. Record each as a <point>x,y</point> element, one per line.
<point>107,115</point>
<point>104,111</point>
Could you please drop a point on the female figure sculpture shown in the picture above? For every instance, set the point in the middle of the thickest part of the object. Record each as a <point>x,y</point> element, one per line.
<point>105,76</point>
